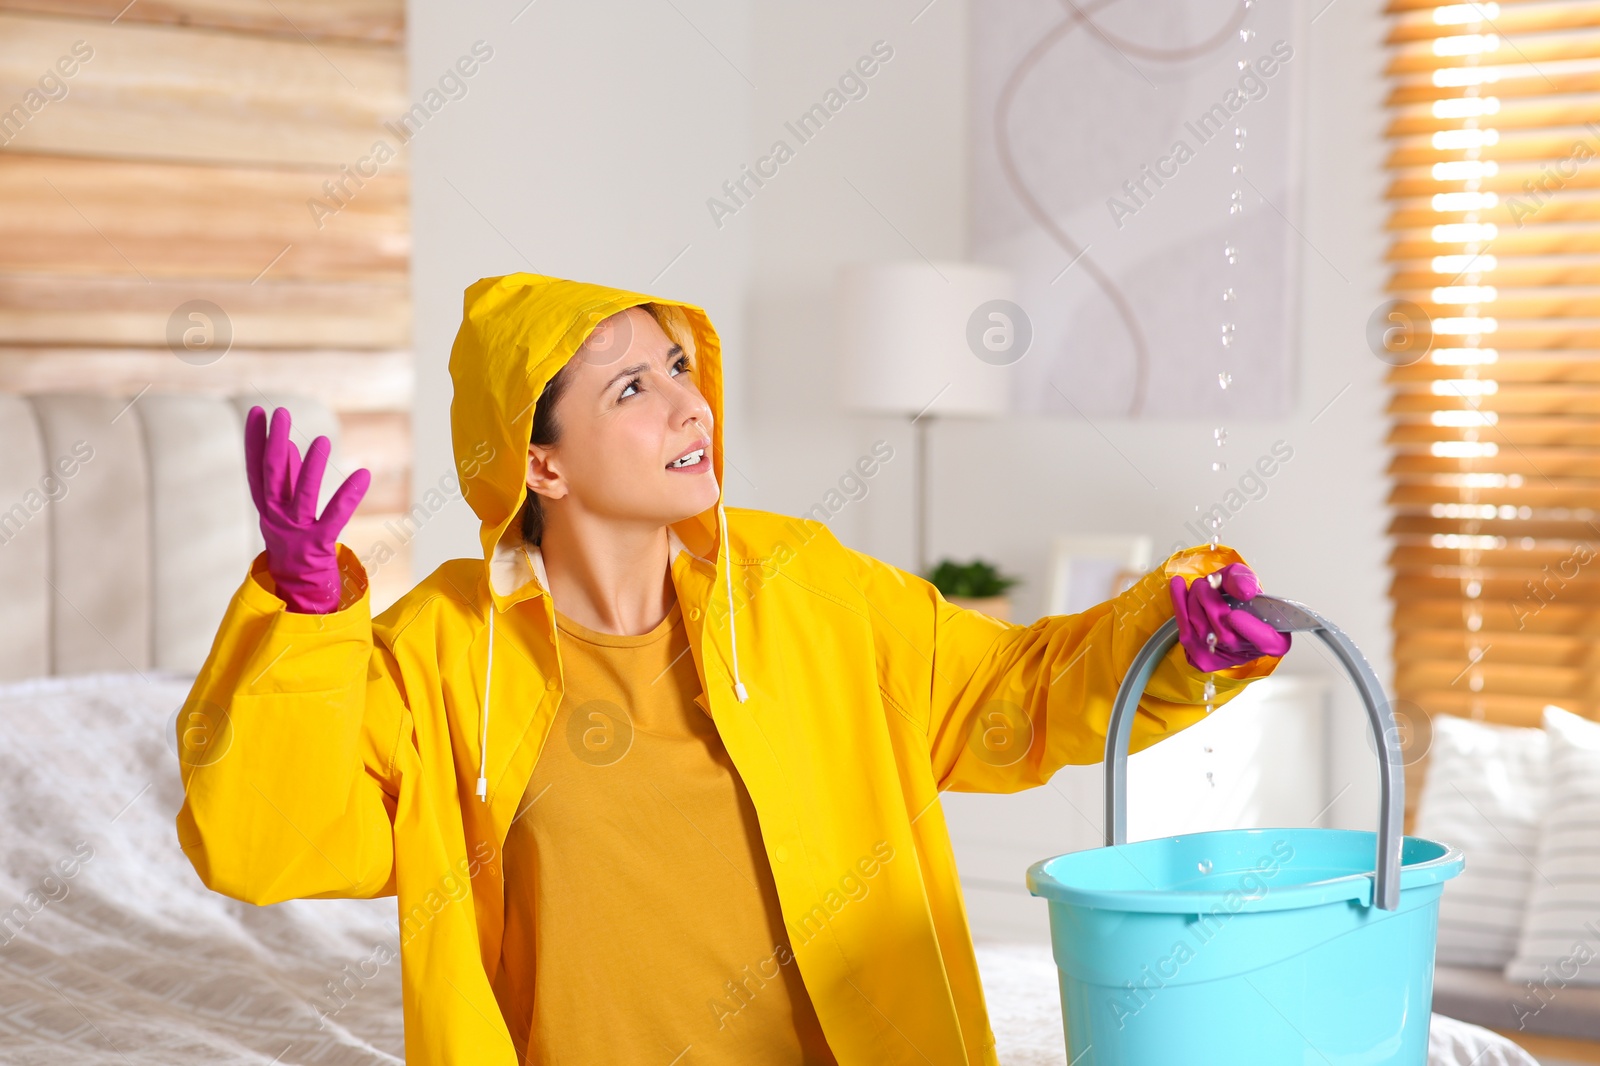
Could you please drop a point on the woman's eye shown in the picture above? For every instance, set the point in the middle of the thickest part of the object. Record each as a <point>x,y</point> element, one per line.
<point>682,365</point>
<point>633,385</point>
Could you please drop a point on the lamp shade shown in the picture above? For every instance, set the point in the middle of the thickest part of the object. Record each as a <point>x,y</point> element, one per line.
<point>915,336</point>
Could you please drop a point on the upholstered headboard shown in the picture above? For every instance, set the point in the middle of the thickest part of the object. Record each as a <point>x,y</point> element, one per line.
<point>126,524</point>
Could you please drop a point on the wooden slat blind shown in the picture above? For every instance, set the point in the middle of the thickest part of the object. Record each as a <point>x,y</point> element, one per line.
<point>1495,191</point>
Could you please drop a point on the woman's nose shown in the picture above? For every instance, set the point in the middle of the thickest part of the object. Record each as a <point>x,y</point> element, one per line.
<point>692,407</point>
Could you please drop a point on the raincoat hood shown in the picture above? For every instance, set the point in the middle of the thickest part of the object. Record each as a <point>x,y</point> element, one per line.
<point>517,331</point>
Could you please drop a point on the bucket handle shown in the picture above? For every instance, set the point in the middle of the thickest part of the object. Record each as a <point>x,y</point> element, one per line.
<point>1285,616</point>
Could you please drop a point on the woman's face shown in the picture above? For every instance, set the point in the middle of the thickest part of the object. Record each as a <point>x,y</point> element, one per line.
<point>630,411</point>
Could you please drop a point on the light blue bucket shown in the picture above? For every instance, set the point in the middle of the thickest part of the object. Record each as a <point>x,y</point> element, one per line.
<point>1248,946</point>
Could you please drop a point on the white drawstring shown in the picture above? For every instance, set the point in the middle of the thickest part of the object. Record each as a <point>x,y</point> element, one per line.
<point>733,630</point>
<point>483,743</point>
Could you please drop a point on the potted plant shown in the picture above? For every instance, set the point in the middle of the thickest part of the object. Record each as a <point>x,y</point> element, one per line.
<point>977,585</point>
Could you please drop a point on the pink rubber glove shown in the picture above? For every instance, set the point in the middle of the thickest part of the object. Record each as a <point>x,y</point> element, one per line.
<point>1202,612</point>
<point>302,551</point>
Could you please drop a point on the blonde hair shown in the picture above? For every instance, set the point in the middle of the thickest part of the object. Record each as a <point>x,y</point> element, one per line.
<point>674,322</point>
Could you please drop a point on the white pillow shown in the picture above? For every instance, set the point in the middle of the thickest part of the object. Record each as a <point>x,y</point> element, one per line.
<point>1561,931</point>
<point>1453,1043</point>
<point>1485,793</point>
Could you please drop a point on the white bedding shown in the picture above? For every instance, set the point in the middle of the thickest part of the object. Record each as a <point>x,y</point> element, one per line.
<point>112,953</point>
<point>134,960</point>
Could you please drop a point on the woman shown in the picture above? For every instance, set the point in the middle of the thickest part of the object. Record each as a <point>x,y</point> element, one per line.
<point>650,785</point>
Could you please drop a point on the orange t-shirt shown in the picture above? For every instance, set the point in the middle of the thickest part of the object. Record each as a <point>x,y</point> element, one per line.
<point>642,922</point>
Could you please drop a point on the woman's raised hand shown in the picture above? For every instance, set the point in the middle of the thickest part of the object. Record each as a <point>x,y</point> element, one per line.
<point>302,549</point>
<point>1215,634</point>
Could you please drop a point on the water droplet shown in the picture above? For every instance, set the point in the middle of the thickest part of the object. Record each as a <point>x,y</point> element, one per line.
<point>1216,466</point>
<point>1236,202</point>
<point>1243,64</point>
<point>1215,581</point>
<point>1246,34</point>
<point>1221,436</point>
<point>1208,749</point>
<point>1204,866</point>
<point>1228,295</point>
<point>1238,168</point>
<point>1209,780</point>
<point>1228,330</point>
<point>1211,641</point>
<point>1224,379</point>
<point>1231,254</point>
<point>1211,691</point>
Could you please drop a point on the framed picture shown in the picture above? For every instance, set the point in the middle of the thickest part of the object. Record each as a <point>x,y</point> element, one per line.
<point>1086,570</point>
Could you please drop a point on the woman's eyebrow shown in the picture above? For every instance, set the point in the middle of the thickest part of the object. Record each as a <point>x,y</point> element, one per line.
<point>628,371</point>
<point>639,368</point>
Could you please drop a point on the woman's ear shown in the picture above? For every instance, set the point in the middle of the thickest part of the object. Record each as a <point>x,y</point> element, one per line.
<point>542,475</point>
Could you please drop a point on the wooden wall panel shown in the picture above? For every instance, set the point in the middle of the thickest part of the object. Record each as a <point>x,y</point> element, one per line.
<point>188,161</point>
<point>371,21</point>
<point>379,441</point>
<point>345,381</point>
<point>37,309</point>
<point>241,99</point>
<point>161,220</point>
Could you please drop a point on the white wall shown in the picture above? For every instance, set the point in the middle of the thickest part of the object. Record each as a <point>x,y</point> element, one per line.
<point>572,87</point>
<point>585,148</point>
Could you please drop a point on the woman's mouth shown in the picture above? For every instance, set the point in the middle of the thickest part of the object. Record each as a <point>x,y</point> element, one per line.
<point>693,461</point>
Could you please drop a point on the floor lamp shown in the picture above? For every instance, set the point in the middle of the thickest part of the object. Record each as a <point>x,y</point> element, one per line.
<point>918,339</point>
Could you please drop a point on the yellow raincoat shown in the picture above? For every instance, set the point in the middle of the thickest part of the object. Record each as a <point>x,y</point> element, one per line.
<point>339,755</point>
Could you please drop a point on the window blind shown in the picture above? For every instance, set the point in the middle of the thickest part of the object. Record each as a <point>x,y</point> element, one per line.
<point>1494,333</point>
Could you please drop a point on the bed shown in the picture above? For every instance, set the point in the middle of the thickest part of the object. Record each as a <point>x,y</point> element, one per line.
<point>111,950</point>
